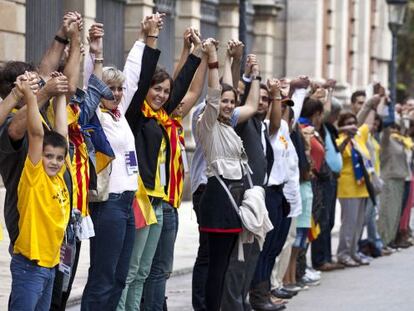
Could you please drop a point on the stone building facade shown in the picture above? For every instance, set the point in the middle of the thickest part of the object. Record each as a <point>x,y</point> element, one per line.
<point>345,39</point>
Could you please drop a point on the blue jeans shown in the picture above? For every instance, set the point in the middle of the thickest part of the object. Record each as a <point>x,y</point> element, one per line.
<point>110,251</point>
<point>162,264</point>
<point>371,223</point>
<point>31,285</point>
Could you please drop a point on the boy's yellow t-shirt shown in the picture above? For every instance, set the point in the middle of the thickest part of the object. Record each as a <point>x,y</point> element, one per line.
<point>44,206</point>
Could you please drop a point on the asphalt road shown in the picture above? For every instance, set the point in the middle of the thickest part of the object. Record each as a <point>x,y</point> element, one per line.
<point>387,284</point>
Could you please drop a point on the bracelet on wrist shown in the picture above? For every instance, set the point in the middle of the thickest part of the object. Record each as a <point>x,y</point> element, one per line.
<point>61,40</point>
<point>213,65</point>
<point>15,95</point>
<point>98,60</point>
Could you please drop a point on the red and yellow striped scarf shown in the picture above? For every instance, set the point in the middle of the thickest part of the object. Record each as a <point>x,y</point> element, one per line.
<point>79,166</point>
<point>175,134</point>
<point>80,160</point>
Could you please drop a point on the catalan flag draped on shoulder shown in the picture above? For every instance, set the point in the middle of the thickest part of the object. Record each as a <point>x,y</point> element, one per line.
<point>175,134</point>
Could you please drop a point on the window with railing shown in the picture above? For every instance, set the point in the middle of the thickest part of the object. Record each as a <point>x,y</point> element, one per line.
<point>43,18</point>
<point>111,14</point>
<point>166,40</point>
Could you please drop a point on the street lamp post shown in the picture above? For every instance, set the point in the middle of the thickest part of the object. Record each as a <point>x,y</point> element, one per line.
<point>396,10</point>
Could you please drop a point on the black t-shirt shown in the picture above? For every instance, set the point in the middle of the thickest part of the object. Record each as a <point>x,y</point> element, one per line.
<point>12,157</point>
<point>251,134</point>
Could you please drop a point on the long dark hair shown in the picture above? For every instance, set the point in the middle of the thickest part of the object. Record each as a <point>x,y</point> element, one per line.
<point>228,88</point>
<point>160,75</point>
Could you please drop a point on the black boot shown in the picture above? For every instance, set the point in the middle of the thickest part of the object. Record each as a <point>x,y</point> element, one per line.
<point>260,299</point>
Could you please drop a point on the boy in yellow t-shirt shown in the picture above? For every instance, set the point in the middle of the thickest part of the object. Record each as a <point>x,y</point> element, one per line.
<point>43,205</point>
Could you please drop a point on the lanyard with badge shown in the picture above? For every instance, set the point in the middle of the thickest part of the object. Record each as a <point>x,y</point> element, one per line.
<point>163,172</point>
<point>131,162</point>
<point>67,256</point>
<point>184,157</point>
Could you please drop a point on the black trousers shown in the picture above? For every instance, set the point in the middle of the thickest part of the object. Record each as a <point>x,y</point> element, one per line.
<point>238,278</point>
<point>219,257</point>
<point>201,264</point>
<point>275,239</point>
<point>60,297</point>
<point>321,248</point>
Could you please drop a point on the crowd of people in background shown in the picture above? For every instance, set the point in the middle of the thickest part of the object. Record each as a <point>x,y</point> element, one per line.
<point>107,163</point>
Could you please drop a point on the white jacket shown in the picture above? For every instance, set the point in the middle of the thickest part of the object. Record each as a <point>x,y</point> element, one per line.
<point>254,217</point>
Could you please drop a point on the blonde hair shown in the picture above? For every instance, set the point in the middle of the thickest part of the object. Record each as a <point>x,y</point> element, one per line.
<point>112,75</point>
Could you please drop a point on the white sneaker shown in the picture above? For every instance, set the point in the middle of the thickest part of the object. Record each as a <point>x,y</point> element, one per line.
<point>313,270</point>
<point>312,276</point>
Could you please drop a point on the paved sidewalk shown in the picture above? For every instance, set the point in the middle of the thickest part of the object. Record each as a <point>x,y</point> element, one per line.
<point>185,252</point>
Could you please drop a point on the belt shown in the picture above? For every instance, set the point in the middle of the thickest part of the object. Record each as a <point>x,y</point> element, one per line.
<point>276,187</point>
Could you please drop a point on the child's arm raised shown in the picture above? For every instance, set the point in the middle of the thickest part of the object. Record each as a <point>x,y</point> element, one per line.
<point>34,121</point>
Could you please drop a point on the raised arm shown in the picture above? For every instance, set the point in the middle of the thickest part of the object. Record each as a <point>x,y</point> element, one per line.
<point>196,87</point>
<point>150,29</point>
<point>329,86</point>
<point>276,108</point>
<point>227,77</point>
<point>212,108</point>
<point>72,66</point>
<point>185,52</point>
<point>298,92</point>
<point>369,105</point>
<point>184,78</point>
<point>15,96</point>
<point>34,121</point>
<point>247,77</point>
<point>149,64</point>
<point>50,60</point>
<point>250,108</point>
<point>95,38</point>
<point>236,51</point>
<point>54,87</point>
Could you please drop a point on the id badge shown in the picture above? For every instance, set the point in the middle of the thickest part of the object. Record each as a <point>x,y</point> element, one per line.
<point>131,162</point>
<point>184,157</point>
<point>67,253</point>
<point>163,176</point>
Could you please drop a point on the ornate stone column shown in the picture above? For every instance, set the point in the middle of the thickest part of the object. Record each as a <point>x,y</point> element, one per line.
<point>265,34</point>
<point>135,10</point>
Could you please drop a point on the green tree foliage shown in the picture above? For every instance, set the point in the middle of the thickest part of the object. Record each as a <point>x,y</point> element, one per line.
<point>405,58</point>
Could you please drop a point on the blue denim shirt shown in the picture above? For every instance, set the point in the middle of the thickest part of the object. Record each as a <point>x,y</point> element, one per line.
<point>88,103</point>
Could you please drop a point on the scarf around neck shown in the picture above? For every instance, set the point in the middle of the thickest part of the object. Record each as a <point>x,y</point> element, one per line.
<point>173,128</point>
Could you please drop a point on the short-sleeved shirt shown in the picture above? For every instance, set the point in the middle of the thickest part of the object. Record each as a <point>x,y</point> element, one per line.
<point>347,184</point>
<point>44,206</point>
<point>280,145</point>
